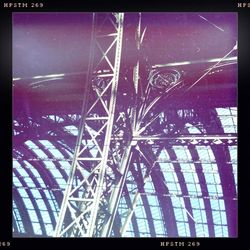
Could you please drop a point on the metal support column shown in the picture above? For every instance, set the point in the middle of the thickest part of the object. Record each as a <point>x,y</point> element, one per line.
<point>83,208</point>
<point>127,155</point>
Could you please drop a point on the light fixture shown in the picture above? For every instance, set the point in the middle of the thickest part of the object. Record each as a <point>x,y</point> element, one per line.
<point>150,142</point>
<point>206,141</point>
<point>181,141</point>
<point>217,141</point>
<point>194,141</point>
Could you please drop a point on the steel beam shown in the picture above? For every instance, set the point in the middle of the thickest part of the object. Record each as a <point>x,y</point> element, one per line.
<point>123,167</point>
<point>85,199</point>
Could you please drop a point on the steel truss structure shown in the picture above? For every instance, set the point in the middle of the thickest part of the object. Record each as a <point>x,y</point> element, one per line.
<point>85,198</point>
<point>133,121</point>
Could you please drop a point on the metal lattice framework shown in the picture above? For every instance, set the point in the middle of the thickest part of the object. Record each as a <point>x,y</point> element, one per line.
<point>138,145</point>
<point>85,198</point>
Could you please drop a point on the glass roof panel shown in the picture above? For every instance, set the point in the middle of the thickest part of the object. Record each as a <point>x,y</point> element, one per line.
<point>18,218</point>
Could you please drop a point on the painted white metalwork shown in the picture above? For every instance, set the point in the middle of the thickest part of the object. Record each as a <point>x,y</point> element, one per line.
<point>128,152</point>
<point>83,208</point>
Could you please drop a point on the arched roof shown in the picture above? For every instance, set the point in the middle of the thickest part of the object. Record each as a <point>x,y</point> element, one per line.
<point>182,183</point>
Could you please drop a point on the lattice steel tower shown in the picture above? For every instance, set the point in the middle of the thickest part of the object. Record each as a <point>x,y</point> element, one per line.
<point>121,109</point>
<point>89,203</point>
